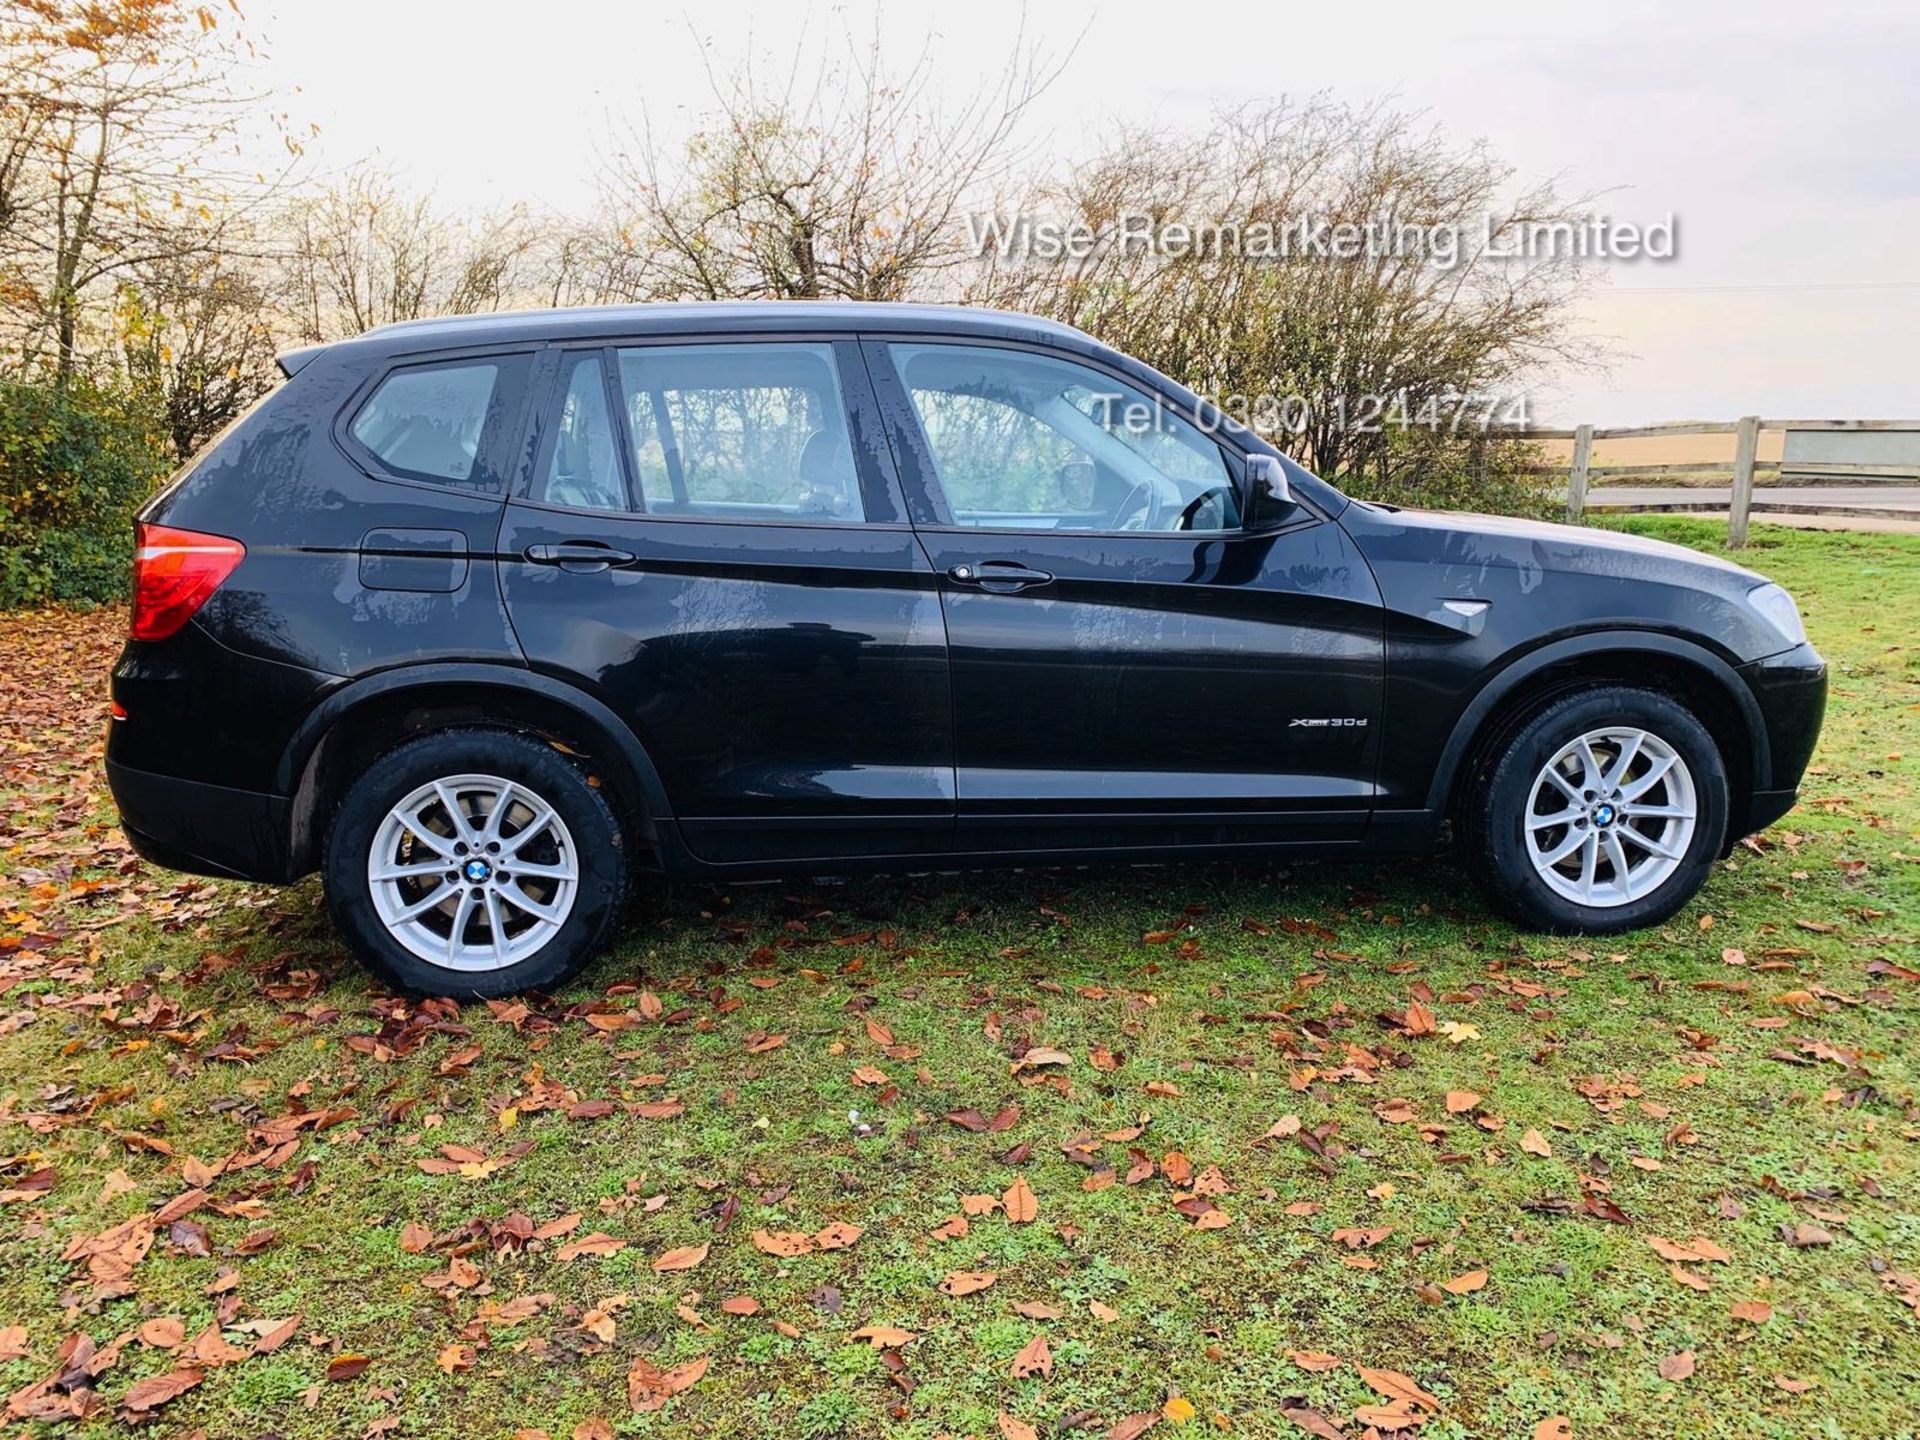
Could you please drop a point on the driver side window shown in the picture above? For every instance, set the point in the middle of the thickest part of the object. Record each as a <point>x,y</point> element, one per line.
<point>1023,441</point>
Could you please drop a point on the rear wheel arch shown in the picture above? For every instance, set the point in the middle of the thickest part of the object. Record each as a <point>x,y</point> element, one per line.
<point>363,720</point>
<point>1695,677</point>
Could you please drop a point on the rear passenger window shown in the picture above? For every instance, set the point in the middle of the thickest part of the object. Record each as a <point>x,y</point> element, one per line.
<point>439,422</point>
<point>747,431</point>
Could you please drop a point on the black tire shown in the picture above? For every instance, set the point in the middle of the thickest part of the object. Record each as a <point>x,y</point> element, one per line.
<point>1494,813</point>
<point>595,834</point>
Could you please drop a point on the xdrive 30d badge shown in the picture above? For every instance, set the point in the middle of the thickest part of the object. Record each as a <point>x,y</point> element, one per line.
<point>481,618</point>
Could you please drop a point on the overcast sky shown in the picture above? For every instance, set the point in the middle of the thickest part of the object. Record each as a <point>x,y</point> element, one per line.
<point>1782,136</point>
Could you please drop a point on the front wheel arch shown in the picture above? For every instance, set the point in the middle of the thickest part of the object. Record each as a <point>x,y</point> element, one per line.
<point>1696,677</point>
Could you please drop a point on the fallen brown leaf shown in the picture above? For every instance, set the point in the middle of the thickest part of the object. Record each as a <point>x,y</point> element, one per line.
<point>883,1337</point>
<point>1034,1359</point>
<point>837,1236</point>
<point>967,1282</point>
<point>649,1387</point>
<point>145,1396</point>
<point>685,1258</point>
<point>348,1367</point>
<point>1312,1421</point>
<point>598,1243</point>
<point>784,1243</point>
<point>1358,1239</point>
<point>1019,1203</point>
<point>1134,1426</point>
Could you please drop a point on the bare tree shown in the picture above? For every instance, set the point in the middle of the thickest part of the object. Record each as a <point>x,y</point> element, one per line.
<point>195,335</point>
<point>849,185</point>
<point>1322,350</point>
<point>598,261</point>
<point>363,252</point>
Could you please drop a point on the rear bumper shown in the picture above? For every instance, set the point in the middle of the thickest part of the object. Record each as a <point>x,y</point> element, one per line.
<point>200,828</point>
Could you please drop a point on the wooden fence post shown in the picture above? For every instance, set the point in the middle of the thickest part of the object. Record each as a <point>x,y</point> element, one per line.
<point>1746,443</point>
<point>1577,481</point>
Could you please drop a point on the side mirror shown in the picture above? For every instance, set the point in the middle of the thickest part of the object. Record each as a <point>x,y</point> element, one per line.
<point>1270,501</point>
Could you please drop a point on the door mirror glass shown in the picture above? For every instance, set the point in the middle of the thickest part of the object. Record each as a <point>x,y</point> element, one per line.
<point>1270,501</point>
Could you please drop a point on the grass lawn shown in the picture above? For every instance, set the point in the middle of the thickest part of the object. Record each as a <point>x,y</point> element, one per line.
<point>1305,1149</point>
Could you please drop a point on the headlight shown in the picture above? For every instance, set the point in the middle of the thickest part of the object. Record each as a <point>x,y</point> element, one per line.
<point>1776,607</point>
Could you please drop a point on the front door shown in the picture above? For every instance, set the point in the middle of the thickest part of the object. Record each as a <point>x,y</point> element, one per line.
<point>1130,667</point>
<point>713,542</point>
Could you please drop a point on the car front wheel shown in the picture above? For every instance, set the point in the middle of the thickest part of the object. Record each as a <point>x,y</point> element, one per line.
<point>475,863</point>
<point>1601,813</point>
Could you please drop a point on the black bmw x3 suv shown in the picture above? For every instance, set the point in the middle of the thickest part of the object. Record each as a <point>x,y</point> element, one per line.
<point>482,617</point>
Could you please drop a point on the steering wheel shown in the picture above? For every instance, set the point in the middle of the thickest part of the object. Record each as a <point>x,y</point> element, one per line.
<point>1192,512</point>
<point>1149,509</point>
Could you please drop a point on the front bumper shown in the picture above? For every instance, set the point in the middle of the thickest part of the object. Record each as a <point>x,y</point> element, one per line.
<point>1791,690</point>
<point>200,828</point>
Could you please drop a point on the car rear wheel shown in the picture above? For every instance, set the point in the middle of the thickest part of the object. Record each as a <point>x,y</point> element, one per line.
<point>475,863</point>
<point>1603,812</point>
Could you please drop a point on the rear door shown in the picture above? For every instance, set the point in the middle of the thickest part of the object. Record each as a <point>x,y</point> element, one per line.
<point>712,540</point>
<point>1131,668</point>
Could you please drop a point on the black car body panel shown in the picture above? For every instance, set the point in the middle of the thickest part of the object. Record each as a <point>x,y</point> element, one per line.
<point>1538,595</point>
<point>770,692</point>
<point>795,709</point>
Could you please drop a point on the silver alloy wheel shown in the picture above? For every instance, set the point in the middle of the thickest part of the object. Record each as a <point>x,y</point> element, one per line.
<point>473,872</point>
<point>1610,817</point>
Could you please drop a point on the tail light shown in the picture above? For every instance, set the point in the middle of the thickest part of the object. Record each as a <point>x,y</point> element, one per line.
<point>174,571</point>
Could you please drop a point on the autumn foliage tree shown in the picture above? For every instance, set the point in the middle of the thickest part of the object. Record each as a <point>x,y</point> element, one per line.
<point>121,136</point>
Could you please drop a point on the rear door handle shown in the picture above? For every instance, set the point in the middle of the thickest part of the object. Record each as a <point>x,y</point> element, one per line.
<point>1002,577</point>
<point>580,557</point>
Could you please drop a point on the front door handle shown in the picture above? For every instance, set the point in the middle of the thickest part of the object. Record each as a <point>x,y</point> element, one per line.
<point>580,557</point>
<point>1002,577</point>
